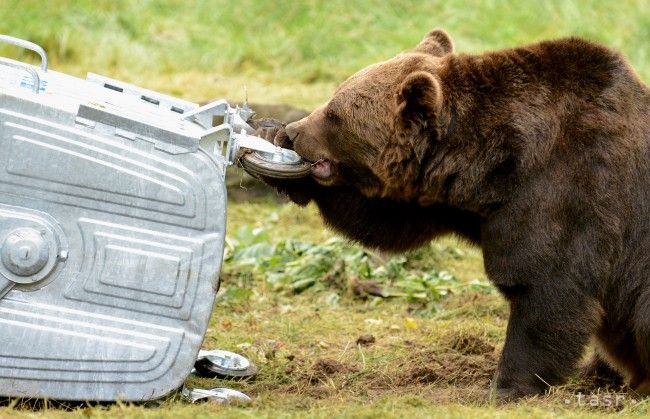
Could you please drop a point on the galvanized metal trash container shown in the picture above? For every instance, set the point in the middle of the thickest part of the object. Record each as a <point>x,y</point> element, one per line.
<point>112,223</point>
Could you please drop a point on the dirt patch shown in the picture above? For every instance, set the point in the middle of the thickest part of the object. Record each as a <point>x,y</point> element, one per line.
<point>365,340</point>
<point>464,360</point>
<point>470,345</point>
<point>324,378</point>
<point>448,368</point>
<point>460,373</point>
<point>328,368</point>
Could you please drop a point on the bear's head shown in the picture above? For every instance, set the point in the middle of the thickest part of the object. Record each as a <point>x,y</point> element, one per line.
<point>379,125</point>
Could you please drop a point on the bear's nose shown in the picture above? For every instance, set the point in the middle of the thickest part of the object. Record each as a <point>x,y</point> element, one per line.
<point>292,131</point>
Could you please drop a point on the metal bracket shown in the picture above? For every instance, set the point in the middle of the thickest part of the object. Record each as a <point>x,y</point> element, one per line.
<point>205,114</point>
<point>175,142</point>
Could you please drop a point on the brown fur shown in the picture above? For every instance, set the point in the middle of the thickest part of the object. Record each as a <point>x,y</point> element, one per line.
<point>538,154</point>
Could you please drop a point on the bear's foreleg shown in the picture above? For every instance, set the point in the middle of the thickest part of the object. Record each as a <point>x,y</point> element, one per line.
<point>601,373</point>
<point>549,328</point>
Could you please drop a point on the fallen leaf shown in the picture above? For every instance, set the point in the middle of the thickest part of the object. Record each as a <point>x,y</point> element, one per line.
<point>410,323</point>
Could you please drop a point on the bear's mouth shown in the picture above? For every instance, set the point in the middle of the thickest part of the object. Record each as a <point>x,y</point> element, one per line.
<point>321,169</point>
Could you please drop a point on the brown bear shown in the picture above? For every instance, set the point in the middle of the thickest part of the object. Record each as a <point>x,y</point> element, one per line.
<point>537,154</point>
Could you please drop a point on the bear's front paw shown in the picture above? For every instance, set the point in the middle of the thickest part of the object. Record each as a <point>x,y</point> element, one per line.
<point>508,391</point>
<point>504,395</point>
<point>273,131</point>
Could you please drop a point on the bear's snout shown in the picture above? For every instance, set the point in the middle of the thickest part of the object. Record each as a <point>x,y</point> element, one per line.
<point>305,142</point>
<point>292,131</point>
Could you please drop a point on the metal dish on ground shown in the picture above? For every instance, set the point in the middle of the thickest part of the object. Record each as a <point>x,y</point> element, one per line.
<point>223,364</point>
<point>218,395</point>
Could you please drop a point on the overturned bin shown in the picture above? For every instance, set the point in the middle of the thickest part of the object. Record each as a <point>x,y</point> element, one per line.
<point>112,224</point>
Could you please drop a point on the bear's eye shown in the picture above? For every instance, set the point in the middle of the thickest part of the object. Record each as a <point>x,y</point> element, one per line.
<point>331,115</point>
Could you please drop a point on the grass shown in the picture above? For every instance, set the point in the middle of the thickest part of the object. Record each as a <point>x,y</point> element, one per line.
<point>294,52</point>
<point>433,362</point>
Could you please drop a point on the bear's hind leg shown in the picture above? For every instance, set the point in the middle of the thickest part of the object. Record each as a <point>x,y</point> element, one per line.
<point>640,381</point>
<point>600,373</point>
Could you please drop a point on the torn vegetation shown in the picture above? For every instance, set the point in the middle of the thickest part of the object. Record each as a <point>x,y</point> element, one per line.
<point>336,265</point>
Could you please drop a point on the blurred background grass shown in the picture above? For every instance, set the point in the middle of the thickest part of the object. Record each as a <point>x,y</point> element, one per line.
<point>295,51</point>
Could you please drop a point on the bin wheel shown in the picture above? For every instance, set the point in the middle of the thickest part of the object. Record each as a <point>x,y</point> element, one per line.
<point>284,165</point>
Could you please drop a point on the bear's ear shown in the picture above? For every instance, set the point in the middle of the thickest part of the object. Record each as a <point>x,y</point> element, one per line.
<point>419,104</point>
<point>419,100</point>
<point>437,43</point>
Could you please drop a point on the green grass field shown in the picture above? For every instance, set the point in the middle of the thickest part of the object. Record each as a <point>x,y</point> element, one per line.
<point>295,52</point>
<point>298,313</point>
